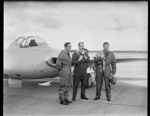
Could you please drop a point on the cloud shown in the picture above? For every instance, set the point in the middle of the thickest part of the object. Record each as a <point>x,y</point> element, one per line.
<point>31,15</point>
<point>89,22</point>
<point>47,22</point>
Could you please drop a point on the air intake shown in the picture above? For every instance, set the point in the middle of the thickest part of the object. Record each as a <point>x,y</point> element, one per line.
<point>51,61</point>
<point>6,76</point>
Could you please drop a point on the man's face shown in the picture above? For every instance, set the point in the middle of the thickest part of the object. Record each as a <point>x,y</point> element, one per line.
<point>106,47</point>
<point>68,48</point>
<point>81,46</point>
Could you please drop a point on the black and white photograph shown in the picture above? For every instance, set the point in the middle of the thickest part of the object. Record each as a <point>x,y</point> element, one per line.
<point>75,58</point>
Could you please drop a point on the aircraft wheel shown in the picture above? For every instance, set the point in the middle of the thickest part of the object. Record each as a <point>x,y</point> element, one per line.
<point>89,81</point>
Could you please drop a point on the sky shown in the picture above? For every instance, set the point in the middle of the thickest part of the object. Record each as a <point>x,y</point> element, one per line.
<point>123,24</point>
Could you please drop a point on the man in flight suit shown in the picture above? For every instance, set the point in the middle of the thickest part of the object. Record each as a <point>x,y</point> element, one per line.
<point>63,64</point>
<point>80,58</point>
<point>103,60</point>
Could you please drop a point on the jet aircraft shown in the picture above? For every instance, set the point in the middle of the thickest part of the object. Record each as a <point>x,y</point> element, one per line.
<point>31,57</point>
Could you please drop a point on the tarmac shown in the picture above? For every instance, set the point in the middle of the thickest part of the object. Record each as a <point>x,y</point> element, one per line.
<point>128,99</point>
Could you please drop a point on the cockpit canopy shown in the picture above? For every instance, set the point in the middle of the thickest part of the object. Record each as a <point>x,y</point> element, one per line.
<point>30,41</point>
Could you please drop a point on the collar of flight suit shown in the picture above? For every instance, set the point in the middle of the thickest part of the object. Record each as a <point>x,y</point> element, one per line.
<point>105,52</point>
<point>82,52</point>
<point>66,52</point>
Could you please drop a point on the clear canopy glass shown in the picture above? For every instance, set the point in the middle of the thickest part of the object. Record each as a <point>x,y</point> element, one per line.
<point>30,41</point>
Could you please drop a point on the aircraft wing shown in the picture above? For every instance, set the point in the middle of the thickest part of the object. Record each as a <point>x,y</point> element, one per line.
<point>52,61</point>
<point>124,60</point>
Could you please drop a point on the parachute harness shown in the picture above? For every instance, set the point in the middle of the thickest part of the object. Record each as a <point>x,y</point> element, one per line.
<point>103,58</point>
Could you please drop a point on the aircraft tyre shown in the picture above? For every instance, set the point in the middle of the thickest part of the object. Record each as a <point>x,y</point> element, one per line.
<point>89,82</point>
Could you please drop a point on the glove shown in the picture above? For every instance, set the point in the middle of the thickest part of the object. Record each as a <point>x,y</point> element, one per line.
<point>80,58</point>
<point>96,60</point>
<point>113,79</point>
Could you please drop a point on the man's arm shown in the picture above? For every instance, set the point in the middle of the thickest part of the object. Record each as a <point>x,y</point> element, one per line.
<point>113,65</point>
<point>87,59</point>
<point>97,58</point>
<point>59,62</point>
<point>74,59</point>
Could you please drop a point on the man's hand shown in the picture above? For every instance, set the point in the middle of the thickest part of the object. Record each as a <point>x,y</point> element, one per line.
<point>113,75</point>
<point>85,57</point>
<point>80,58</point>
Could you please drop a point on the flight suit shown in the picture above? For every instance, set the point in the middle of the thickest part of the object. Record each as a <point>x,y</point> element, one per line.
<point>80,72</point>
<point>63,64</point>
<point>104,68</point>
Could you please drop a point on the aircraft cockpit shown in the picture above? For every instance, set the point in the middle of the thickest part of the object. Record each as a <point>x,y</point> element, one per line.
<point>30,41</point>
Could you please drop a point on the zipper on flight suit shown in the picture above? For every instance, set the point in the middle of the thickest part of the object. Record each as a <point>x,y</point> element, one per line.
<point>80,64</point>
<point>81,67</point>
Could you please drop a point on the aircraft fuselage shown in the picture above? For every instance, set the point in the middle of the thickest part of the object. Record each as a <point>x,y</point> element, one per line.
<point>29,63</point>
